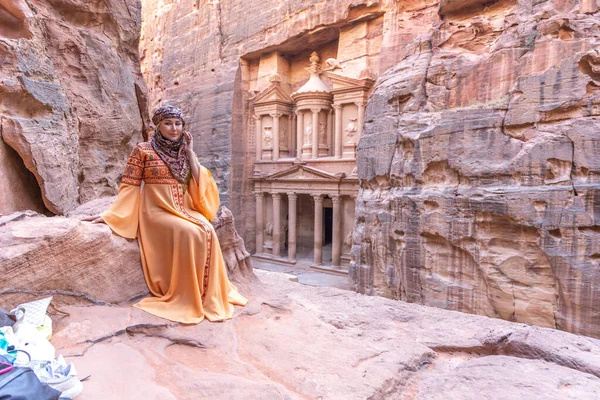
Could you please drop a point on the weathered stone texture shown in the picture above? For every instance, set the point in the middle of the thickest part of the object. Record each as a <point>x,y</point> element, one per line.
<point>479,166</point>
<point>237,259</point>
<point>80,262</point>
<point>299,342</point>
<point>195,54</point>
<point>74,261</point>
<point>70,86</point>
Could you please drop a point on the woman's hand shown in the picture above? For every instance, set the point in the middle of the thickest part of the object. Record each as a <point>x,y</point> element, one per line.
<point>189,140</point>
<point>94,219</point>
<point>194,164</point>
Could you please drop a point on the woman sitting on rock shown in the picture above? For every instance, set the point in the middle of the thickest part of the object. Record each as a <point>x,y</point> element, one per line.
<point>171,216</point>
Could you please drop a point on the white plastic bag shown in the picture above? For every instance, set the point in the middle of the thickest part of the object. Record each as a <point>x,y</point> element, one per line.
<point>34,343</point>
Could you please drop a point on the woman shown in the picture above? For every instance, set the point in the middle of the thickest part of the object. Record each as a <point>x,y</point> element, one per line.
<point>171,216</point>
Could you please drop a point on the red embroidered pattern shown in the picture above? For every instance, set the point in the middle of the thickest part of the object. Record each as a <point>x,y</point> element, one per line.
<point>144,164</point>
<point>178,195</point>
<point>134,168</point>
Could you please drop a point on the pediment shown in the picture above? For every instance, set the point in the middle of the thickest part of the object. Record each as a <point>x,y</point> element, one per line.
<point>344,82</point>
<point>272,93</point>
<point>302,172</point>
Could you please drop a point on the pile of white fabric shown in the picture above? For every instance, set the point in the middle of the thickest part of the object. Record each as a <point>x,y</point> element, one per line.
<point>26,343</point>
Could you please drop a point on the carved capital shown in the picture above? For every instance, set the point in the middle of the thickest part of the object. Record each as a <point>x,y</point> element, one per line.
<point>276,115</point>
<point>292,196</point>
<point>336,198</point>
<point>315,110</point>
<point>336,107</point>
<point>276,196</point>
<point>360,103</point>
<point>318,198</point>
<point>259,195</point>
<point>298,112</point>
<point>257,117</point>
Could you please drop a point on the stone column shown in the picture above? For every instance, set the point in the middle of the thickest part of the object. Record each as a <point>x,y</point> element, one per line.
<point>329,132</point>
<point>292,201</point>
<point>290,135</point>
<point>259,221</point>
<point>336,245</point>
<point>338,130</point>
<point>275,136</point>
<point>299,134</point>
<point>318,259</point>
<point>276,224</point>
<point>361,118</point>
<point>259,138</point>
<point>315,132</point>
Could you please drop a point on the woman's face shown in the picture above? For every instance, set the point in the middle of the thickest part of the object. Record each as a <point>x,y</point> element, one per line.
<point>171,128</point>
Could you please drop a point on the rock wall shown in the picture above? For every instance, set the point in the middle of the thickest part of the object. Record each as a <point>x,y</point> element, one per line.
<point>73,102</point>
<point>201,55</point>
<point>87,263</point>
<point>479,161</point>
<point>480,166</point>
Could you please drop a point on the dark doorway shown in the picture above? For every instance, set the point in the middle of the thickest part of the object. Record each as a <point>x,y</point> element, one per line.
<point>328,225</point>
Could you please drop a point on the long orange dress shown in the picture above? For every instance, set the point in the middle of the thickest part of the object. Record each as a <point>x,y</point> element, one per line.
<point>181,256</point>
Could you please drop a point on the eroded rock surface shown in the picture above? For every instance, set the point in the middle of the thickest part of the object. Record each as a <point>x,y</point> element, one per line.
<point>81,263</point>
<point>72,260</point>
<point>293,341</point>
<point>208,70</point>
<point>73,100</point>
<point>479,167</point>
<point>479,161</point>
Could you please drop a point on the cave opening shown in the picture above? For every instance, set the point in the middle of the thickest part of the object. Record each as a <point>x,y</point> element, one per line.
<point>24,193</point>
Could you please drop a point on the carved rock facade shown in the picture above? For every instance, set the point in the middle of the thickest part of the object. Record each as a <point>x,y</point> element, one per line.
<point>234,72</point>
<point>478,161</point>
<point>305,168</point>
<point>73,100</point>
<point>479,166</point>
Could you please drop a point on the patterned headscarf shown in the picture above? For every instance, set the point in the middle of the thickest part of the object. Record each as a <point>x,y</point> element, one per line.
<point>167,112</point>
<point>172,153</point>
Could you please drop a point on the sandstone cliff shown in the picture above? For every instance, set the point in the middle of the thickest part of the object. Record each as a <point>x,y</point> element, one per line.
<point>81,263</point>
<point>298,342</point>
<point>72,100</point>
<point>480,170</point>
<point>196,55</point>
<point>479,164</point>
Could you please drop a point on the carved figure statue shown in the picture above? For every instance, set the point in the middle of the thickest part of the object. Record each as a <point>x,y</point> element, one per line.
<point>314,58</point>
<point>308,135</point>
<point>282,135</point>
<point>269,234</point>
<point>322,135</point>
<point>268,137</point>
<point>347,243</point>
<point>350,130</point>
<point>332,64</point>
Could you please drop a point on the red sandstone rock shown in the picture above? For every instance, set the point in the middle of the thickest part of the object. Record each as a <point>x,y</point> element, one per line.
<point>73,101</point>
<point>479,168</point>
<point>79,262</point>
<point>293,341</point>
<point>479,164</point>
<point>237,259</point>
